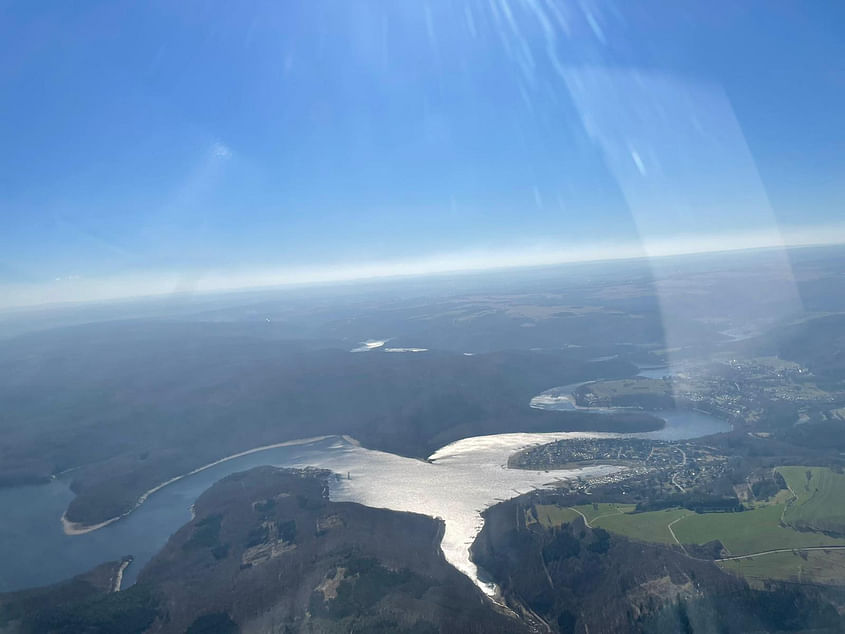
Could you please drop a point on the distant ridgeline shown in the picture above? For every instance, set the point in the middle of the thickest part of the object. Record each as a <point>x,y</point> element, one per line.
<point>132,405</point>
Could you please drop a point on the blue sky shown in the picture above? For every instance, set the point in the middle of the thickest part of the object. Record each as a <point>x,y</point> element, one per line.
<point>155,146</point>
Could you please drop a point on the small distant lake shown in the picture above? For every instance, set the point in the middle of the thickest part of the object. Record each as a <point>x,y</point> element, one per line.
<point>458,482</point>
<point>654,372</point>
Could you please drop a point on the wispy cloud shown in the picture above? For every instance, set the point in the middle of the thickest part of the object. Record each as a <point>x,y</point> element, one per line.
<point>221,150</point>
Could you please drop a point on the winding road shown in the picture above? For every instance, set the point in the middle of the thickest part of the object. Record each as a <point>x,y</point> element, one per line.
<point>779,550</point>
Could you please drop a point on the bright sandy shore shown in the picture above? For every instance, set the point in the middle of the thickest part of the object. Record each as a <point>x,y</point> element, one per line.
<point>118,580</point>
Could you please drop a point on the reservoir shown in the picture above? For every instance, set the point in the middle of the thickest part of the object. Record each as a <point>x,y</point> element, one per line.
<point>456,484</point>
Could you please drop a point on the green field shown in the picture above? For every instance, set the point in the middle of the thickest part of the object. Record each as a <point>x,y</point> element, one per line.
<point>814,566</point>
<point>781,497</point>
<point>627,387</point>
<point>552,515</point>
<point>820,499</point>
<point>742,533</point>
<point>748,532</point>
<point>818,503</point>
<point>593,511</point>
<point>649,527</point>
<point>549,515</point>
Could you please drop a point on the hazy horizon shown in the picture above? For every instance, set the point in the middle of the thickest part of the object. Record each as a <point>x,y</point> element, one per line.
<point>166,148</point>
<point>72,291</point>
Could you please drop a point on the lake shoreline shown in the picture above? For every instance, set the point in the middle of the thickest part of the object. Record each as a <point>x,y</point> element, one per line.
<point>80,528</point>
<point>378,479</point>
